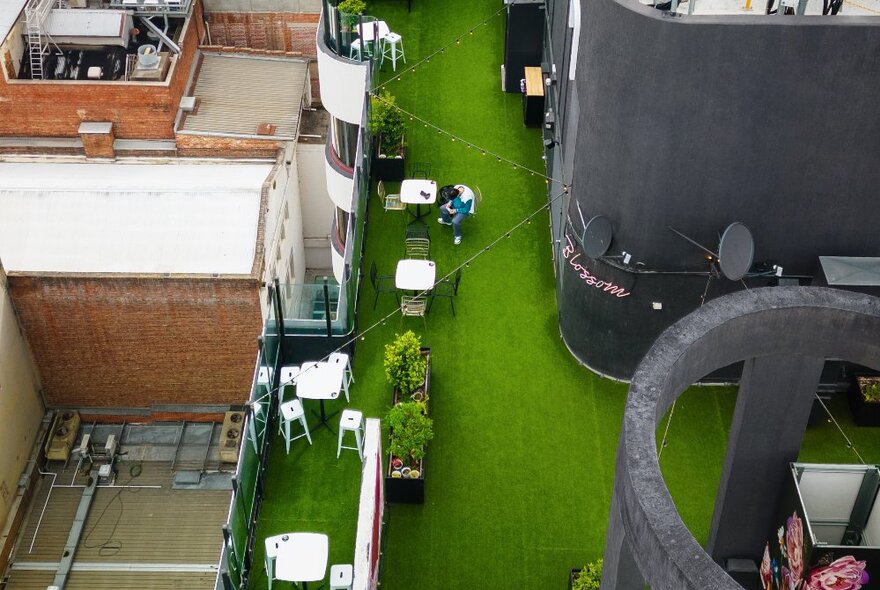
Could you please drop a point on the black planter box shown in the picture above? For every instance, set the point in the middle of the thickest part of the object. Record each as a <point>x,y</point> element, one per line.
<point>390,169</point>
<point>864,413</point>
<point>407,490</point>
<point>571,576</point>
<point>401,490</point>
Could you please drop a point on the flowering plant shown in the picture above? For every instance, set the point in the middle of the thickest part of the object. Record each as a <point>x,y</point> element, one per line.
<point>845,573</point>
<point>789,572</point>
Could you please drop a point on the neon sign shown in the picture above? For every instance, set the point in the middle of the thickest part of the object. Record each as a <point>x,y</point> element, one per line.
<point>589,278</point>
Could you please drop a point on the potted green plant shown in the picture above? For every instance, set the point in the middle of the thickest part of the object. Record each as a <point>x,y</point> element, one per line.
<point>349,13</point>
<point>406,364</point>
<point>409,431</point>
<point>587,578</point>
<point>864,400</point>
<point>388,126</point>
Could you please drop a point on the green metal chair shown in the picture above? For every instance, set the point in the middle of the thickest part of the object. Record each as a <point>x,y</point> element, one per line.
<point>382,284</point>
<point>447,289</point>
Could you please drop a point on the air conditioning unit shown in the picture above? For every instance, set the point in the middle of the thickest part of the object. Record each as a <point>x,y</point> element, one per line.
<point>230,436</point>
<point>64,429</point>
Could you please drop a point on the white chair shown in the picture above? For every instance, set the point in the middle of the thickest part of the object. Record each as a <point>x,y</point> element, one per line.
<point>351,420</point>
<point>290,411</point>
<point>341,576</point>
<point>347,375</point>
<point>392,47</point>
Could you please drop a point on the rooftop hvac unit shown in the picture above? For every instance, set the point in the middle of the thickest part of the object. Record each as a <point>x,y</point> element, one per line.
<point>64,429</point>
<point>148,57</point>
<point>230,436</point>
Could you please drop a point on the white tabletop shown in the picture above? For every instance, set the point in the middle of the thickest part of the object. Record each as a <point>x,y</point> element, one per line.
<point>367,30</point>
<point>411,191</point>
<point>415,275</point>
<point>302,557</point>
<point>320,380</point>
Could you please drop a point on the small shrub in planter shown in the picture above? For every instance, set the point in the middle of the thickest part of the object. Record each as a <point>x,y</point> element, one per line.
<point>349,12</point>
<point>411,430</point>
<point>864,400</point>
<point>404,363</point>
<point>388,124</point>
<point>588,578</point>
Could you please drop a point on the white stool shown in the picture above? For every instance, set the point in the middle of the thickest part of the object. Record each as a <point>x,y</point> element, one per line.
<point>341,576</point>
<point>290,411</point>
<point>288,376</point>
<point>357,46</point>
<point>347,376</point>
<point>354,421</point>
<point>391,42</point>
<point>271,555</point>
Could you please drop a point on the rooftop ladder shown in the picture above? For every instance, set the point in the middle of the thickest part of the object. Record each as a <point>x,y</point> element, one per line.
<point>36,12</point>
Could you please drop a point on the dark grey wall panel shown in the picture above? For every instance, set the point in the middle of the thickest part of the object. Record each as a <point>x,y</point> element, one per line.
<point>696,122</point>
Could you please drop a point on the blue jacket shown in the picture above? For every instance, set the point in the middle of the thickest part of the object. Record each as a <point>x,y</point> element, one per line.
<point>462,203</point>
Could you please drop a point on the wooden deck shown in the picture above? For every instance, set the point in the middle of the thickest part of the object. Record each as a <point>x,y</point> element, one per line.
<point>133,537</point>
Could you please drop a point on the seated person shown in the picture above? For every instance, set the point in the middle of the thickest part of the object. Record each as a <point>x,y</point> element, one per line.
<point>457,210</point>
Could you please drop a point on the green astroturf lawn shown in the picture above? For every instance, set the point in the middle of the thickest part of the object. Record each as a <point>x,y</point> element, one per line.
<point>520,470</point>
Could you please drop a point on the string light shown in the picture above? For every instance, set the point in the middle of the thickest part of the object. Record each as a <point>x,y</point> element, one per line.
<point>427,58</point>
<point>467,263</point>
<point>454,138</point>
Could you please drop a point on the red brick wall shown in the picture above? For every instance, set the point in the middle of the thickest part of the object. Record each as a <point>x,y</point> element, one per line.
<point>284,31</point>
<point>226,147</point>
<point>134,342</point>
<point>48,109</point>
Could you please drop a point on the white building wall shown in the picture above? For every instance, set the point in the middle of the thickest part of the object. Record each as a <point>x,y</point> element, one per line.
<point>283,233</point>
<point>317,207</point>
<point>21,408</point>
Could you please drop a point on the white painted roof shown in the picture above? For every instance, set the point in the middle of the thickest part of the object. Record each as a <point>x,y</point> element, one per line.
<point>81,22</point>
<point>127,218</point>
<point>9,11</point>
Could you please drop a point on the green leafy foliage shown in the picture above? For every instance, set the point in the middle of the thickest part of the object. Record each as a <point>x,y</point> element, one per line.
<point>349,11</point>
<point>404,364</point>
<point>411,429</point>
<point>870,387</point>
<point>387,122</point>
<point>589,577</point>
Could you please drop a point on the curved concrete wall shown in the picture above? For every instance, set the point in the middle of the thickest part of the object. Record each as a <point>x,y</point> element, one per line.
<point>696,122</point>
<point>645,528</point>
<point>343,82</point>
<point>340,186</point>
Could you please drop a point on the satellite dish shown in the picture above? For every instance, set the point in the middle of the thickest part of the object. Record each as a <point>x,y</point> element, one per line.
<point>597,236</point>
<point>736,251</point>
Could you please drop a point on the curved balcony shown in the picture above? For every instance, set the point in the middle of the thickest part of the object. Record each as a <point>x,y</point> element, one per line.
<point>340,180</point>
<point>343,80</point>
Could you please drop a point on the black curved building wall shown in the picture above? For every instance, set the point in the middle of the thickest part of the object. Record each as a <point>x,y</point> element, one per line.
<point>697,122</point>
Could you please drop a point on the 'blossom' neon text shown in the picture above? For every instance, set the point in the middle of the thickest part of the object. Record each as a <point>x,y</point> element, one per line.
<point>568,252</point>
